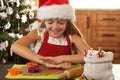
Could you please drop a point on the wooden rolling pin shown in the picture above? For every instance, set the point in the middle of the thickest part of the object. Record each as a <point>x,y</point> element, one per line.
<point>70,73</point>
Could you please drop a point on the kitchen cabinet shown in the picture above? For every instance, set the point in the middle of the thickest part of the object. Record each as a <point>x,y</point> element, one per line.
<point>83,22</point>
<point>101,28</point>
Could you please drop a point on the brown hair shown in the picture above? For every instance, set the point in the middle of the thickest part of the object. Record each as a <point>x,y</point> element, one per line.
<point>72,29</point>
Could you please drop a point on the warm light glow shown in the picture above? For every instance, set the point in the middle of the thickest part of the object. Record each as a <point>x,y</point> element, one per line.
<point>96,4</point>
<point>34,4</point>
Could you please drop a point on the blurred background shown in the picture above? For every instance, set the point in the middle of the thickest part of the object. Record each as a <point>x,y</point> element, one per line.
<point>98,21</point>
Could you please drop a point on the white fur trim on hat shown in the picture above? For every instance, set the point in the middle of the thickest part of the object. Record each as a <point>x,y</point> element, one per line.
<point>56,11</point>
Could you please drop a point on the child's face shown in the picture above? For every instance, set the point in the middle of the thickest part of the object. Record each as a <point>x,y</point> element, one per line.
<point>55,27</point>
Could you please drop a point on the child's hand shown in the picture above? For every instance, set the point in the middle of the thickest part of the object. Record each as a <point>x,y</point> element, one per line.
<point>56,62</point>
<point>65,65</point>
<point>51,65</point>
<point>53,60</point>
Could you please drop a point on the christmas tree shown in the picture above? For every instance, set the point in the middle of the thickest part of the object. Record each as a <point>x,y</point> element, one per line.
<point>15,17</point>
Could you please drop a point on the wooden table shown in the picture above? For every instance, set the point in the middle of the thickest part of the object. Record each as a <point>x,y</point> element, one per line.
<point>3,70</point>
<point>4,67</point>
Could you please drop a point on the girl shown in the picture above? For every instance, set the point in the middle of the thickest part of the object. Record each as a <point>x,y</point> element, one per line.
<point>57,37</point>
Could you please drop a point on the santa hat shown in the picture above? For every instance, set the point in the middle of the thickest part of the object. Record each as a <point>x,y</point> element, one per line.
<point>55,9</point>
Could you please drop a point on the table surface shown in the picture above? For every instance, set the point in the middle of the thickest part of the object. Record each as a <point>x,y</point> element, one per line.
<point>3,70</point>
<point>4,67</point>
<point>116,71</point>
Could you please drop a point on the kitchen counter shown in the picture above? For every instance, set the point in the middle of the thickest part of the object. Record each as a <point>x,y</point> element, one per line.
<point>4,67</point>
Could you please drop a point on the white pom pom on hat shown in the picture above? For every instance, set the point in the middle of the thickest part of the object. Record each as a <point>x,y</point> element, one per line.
<point>35,25</point>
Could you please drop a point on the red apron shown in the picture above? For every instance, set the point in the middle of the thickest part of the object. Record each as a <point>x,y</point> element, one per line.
<point>53,50</point>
